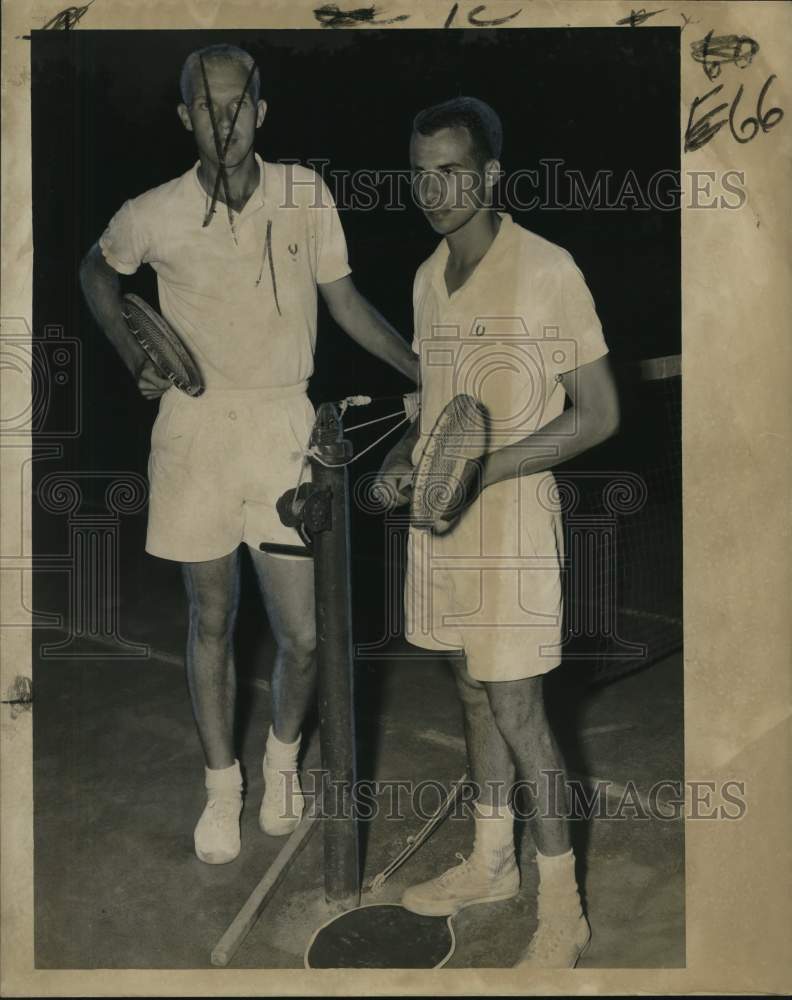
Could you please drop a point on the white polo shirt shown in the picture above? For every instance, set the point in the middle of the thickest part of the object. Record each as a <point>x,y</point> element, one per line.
<point>523,317</point>
<point>244,299</point>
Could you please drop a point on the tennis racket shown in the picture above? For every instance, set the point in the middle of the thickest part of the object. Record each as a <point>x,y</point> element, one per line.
<point>162,344</point>
<point>447,467</point>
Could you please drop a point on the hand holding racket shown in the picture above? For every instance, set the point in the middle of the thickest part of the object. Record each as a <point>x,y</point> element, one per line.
<point>447,477</point>
<point>151,382</point>
<point>394,485</point>
<point>169,358</point>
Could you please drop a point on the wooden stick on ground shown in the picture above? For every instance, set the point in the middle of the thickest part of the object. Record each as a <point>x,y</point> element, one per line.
<point>242,923</point>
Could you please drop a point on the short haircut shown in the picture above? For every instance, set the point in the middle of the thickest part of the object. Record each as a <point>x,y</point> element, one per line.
<point>217,53</point>
<point>481,121</point>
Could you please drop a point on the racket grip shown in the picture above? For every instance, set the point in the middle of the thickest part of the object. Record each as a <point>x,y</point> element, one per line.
<point>276,549</point>
<point>412,405</point>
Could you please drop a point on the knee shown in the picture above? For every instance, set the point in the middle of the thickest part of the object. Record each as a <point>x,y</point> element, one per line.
<point>212,623</point>
<point>472,693</point>
<point>517,706</point>
<point>298,644</point>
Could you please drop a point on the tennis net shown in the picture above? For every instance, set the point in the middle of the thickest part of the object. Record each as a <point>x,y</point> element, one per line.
<point>623,532</point>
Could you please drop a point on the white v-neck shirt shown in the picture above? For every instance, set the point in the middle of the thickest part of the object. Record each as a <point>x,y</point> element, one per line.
<point>248,318</point>
<point>523,318</point>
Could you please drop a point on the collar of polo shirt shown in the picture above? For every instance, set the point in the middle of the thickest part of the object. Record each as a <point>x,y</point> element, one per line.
<point>257,200</point>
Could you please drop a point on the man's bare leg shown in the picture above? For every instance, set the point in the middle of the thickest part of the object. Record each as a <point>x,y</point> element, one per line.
<point>518,711</point>
<point>213,594</point>
<point>490,873</point>
<point>489,759</point>
<point>287,588</point>
<point>562,931</point>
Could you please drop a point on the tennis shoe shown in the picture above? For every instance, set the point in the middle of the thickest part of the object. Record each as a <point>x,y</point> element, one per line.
<point>470,882</point>
<point>562,936</point>
<point>283,803</point>
<point>217,839</point>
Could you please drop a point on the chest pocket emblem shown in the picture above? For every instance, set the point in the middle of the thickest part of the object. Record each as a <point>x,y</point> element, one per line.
<point>293,248</point>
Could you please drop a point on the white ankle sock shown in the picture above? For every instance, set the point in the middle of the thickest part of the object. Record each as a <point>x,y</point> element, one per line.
<point>282,754</point>
<point>557,876</point>
<point>223,779</point>
<point>494,842</point>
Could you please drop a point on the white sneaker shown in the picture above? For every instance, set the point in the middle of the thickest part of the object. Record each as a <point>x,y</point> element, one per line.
<point>283,803</point>
<point>216,836</point>
<point>468,883</point>
<point>560,940</point>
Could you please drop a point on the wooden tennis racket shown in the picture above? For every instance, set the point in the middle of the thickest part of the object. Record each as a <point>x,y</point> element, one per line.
<point>162,344</point>
<point>447,467</point>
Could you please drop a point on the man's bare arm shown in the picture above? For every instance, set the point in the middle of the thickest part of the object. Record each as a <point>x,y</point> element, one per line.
<point>102,289</point>
<point>592,418</point>
<point>361,321</point>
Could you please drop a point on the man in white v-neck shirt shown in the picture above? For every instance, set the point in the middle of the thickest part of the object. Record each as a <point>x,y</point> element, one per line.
<point>505,316</point>
<point>239,259</point>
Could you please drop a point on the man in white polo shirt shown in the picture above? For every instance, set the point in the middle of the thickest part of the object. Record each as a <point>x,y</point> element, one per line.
<point>506,317</point>
<point>237,279</point>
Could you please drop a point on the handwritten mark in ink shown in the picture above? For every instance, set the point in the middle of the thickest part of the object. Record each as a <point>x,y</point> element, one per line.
<point>713,53</point>
<point>19,696</point>
<point>698,133</point>
<point>688,20</point>
<point>637,17</point>
<point>451,15</point>
<point>331,16</point>
<point>64,21</point>
<point>473,18</point>
<point>480,22</point>
<point>67,18</point>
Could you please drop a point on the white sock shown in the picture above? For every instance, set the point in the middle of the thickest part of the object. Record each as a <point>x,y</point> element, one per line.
<point>557,877</point>
<point>224,780</point>
<point>494,834</point>
<point>282,755</point>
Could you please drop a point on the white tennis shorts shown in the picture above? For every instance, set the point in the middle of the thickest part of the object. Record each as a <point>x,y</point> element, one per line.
<point>218,464</point>
<point>492,585</point>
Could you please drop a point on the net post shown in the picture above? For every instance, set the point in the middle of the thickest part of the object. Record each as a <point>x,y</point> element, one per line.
<point>335,662</point>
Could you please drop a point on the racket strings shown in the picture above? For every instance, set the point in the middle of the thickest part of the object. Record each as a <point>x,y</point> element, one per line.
<point>149,332</point>
<point>447,465</point>
<point>162,345</point>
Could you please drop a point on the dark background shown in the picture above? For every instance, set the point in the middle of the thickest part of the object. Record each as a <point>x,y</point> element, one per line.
<point>105,129</point>
<point>115,749</point>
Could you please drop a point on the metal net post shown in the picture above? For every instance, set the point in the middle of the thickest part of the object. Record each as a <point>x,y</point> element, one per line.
<point>335,662</point>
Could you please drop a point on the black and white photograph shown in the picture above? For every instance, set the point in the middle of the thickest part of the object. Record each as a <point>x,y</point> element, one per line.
<point>351,520</point>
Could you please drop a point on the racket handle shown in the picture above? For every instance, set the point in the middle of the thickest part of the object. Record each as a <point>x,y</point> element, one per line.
<point>276,549</point>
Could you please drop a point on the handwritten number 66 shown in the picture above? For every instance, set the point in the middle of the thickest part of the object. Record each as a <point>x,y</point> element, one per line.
<point>764,120</point>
